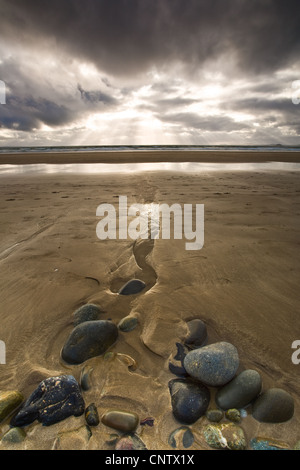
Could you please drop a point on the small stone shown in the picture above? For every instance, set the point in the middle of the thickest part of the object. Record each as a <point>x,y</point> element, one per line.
<point>88,312</point>
<point>9,401</point>
<point>233,415</point>
<point>189,400</point>
<point>124,421</point>
<point>214,365</point>
<point>265,443</point>
<point>89,339</point>
<point>176,362</point>
<point>128,324</point>
<point>273,406</point>
<point>54,400</point>
<point>227,436</point>
<point>91,415</point>
<point>132,287</point>
<point>130,442</point>
<point>85,378</point>
<point>241,391</point>
<point>14,436</point>
<point>215,416</point>
<point>181,438</point>
<point>197,335</point>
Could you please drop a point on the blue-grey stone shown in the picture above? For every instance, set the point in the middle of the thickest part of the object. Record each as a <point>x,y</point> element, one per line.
<point>214,365</point>
<point>89,339</point>
<point>132,287</point>
<point>264,443</point>
<point>197,334</point>
<point>241,391</point>
<point>54,400</point>
<point>189,400</point>
<point>88,312</point>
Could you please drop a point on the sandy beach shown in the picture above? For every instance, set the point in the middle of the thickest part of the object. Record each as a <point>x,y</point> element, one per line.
<point>243,283</point>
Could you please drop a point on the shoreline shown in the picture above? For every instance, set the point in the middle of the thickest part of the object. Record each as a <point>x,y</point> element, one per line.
<point>149,157</point>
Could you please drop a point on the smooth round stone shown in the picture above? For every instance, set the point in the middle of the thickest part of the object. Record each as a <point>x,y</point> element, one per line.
<point>181,438</point>
<point>215,416</point>
<point>130,442</point>
<point>240,392</point>
<point>132,287</point>
<point>227,436</point>
<point>189,400</point>
<point>85,378</point>
<point>197,335</point>
<point>89,339</point>
<point>214,365</point>
<point>14,436</point>
<point>124,421</point>
<point>91,415</point>
<point>88,312</point>
<point>273,406</point>
<point>265,443</point>
<point>9,401</point>
<point>128,323</point>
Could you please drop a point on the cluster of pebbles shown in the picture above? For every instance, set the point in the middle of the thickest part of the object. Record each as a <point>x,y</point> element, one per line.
<point>201,370</point>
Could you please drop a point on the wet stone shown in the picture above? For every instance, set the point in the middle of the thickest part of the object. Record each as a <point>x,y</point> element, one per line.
<point>88,312</point>
<point>89,339</point>
<point>128,324</point>
<point>233,415</point>
<point>181,438</point>
<point>9,401</point>
<point>124,421</point>
<point>14,436</point>
<point>135,286</point>
<point>130,442</point>
<point>273,406</point>
<point>214,365</point>
<point>91,415</point>
<point>197,335</point>
<point>241,391</point>
<point>227,436</point>
<point>189,400</point>
<point>54,400</point>
<point>215,416</point>
<point>265,443</point>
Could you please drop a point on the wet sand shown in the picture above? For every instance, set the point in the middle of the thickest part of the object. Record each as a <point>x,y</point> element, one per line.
<point>243,284</point>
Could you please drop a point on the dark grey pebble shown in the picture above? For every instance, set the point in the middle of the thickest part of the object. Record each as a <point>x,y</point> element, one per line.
<point>240,392</point>
<point>214,416</point>
<point>91,415</point>
<point>176,363</point>
<point>181,437</point>
<point>132,287</point>
<point>89,339</point>
<point>214,365</point>
<point>189,400</point>
<point>88,312</point>
<point>197,335</point>
<point>54,400</point>
<point>273,406</point>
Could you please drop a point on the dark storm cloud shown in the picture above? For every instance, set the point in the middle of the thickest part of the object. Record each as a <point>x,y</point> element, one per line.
<point>127,36</point>
<point>95,96</point>
<point>204,123</point>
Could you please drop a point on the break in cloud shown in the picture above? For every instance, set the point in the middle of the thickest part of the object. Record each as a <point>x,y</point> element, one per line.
<point>119,72</point>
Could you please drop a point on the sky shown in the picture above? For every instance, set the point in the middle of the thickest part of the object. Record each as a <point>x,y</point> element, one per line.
<point>149,72</point>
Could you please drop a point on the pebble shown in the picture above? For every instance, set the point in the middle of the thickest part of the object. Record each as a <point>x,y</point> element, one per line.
<point>227,436</point>
<point>265,443</point>
<point>181,438</point>
<point>9,401</point>
<point>241,391</point>
<point>88,312</point>
<point>215,416</point>
<point>130,442</point>
<point>197,335</point>
<point>85,378</point>
<point>273,406</point>
<point>128,324</point>
<point>176,362</point>
<point>214,365</point>
<point>91,415</point>
<point>189,400</point>
<point>89,339</point>
<point>54,400</point>
<point>124,421</point>
<point>233,415</point>
<point>132,287</point>
<point>14,436</point>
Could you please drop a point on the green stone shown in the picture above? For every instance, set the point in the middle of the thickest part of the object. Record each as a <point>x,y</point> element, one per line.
<point>233,415</point>
<point>128,323</point>
<point>227,436</point>
<point>14,436</point>
<point>9,401</point>
<point>214,416</point>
